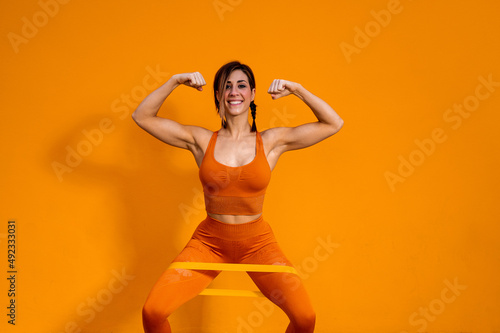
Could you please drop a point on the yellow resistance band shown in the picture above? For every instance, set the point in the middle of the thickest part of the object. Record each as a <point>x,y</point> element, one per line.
<point>208,266</point>
<point>233,268</point>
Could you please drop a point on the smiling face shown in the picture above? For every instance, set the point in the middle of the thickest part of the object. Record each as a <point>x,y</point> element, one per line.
<point>237,93</point>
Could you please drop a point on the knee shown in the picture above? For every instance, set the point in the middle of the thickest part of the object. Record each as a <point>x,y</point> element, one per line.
<point>305,322</point>
<point>153,315</point>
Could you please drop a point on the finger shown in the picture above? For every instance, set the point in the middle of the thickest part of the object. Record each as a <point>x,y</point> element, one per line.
<point>191,80</point>
<point>196,80</point>
<point>199,78</point>
<point>200,81</point>
<point>276,85</point>
<point>272,88</point>
<point>278,89</point>
<point>203,82</point>
<point>281,86</point>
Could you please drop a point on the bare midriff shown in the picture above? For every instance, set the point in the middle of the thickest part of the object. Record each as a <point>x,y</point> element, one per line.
<point>234,219</point>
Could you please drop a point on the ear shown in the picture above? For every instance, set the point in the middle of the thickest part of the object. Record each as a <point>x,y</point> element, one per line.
<point>253,94</point>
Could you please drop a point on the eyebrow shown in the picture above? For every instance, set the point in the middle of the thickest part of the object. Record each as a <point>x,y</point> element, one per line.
<point>237,81</point>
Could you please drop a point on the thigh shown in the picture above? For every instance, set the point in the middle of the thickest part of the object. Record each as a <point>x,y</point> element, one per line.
<point>174,288</point>
<point>177,286</point>
<point>284,289</point>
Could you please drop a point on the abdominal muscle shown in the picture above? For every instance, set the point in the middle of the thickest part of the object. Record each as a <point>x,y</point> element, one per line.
<point>234,219</point>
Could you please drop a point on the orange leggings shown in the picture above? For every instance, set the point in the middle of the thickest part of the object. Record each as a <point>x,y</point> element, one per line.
<point>218,242</point>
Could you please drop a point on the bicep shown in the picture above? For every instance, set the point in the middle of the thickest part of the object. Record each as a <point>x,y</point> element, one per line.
<point>170,131</point>
<point>303,136</point>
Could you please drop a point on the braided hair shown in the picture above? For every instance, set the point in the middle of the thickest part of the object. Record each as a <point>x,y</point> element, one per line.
<point>253,107</point>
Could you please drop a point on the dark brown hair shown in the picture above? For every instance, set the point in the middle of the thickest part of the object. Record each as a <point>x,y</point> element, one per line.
<point>220,85</point>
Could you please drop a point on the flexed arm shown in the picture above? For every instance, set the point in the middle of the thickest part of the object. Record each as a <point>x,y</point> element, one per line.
<point>289,138</point>
<point>167,130</point>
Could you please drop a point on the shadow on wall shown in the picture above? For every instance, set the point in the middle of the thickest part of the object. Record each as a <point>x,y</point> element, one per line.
<point>147,185</point>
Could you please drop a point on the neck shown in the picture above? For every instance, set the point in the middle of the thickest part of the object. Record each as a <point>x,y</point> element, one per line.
<point>237,127</point>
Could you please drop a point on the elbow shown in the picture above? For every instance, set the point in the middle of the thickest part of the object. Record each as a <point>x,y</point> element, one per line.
<point>140,119</point>
<point>340,124</point>
<point>337,126</point>
<point>135,117</point>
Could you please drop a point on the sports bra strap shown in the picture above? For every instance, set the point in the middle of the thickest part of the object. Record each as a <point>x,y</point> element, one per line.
<point>211,143</point>
<point>260,144</point>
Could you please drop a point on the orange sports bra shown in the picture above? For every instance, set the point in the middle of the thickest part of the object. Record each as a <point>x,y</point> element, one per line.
<point>234,190</point>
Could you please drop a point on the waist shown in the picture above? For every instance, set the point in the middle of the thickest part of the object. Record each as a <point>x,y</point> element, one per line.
<point>234,219</point>
<point>215,228</point>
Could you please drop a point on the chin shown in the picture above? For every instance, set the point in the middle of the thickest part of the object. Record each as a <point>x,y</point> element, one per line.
<point>237,111</point>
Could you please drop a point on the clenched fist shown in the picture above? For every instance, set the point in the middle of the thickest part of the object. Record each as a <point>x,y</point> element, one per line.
<point>281,88</point>
<point>194,80</point>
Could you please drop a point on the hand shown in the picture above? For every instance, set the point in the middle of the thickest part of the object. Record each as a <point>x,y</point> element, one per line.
<point>194,80</point>
<point>281,88</point>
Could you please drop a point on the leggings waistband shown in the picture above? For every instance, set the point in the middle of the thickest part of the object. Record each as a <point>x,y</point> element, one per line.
<point>219,229</point>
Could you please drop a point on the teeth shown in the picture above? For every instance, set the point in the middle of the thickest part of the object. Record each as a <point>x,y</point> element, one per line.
<point>235,103</point>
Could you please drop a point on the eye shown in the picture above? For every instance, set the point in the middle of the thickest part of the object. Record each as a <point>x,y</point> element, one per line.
<point>242,86</point>
<point>228,86</point>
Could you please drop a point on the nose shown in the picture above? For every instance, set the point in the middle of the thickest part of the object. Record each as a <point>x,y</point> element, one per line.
<point>232,91</point>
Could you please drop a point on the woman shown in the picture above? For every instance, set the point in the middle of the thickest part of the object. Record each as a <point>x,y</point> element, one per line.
<point>235,168</point>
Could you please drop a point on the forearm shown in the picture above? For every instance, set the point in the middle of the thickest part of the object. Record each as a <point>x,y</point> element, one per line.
<point>319,107</point>
<point>150,106</point>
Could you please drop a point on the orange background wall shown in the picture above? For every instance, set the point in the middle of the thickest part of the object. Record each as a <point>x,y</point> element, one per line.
<point>405,196</point>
